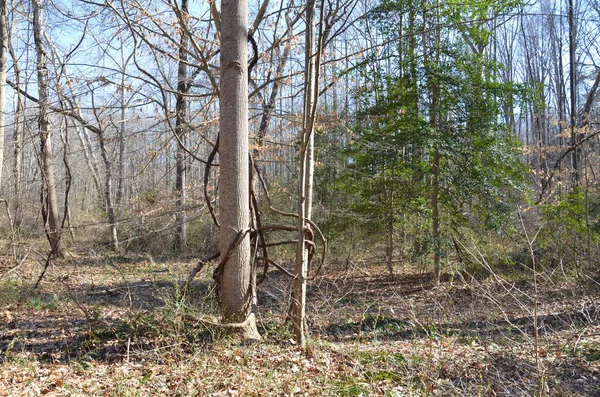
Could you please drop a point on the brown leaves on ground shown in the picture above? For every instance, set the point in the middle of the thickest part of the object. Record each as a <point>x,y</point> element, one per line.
<point>119,329</point>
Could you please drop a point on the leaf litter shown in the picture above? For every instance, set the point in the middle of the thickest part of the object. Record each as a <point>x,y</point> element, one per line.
<point>121,330</point>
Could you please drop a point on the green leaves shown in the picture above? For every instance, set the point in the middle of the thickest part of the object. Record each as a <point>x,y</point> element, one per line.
<point>436,68</point>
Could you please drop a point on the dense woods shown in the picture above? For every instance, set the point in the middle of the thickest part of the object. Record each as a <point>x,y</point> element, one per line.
<point>398,197</point>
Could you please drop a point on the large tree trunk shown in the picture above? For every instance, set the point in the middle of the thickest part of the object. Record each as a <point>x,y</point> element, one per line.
<point>180,111</point>
<point>234,200</point>
<point>50,208</point>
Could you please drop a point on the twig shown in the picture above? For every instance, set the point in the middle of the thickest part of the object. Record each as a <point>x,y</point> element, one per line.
<point>236,241</point>
<point>203,262</point>
<point>548,179</point>
<point>10,218</point>
<point>312,243</point>
<point>115,289</point>
<point>275,264</point>
<point>291,215</point>
<point>209,161</point>
<point>276,226</point>
<point>50,255</point>
<point>536,332</point>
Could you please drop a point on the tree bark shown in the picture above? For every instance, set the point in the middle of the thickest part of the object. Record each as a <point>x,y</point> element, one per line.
<point>434,110</point>
<point>575,155</point>
<point>50,210</point>
<point>3,61</point>
<point>110,208</point>
<point>390,245</point>
<point>236,287</point>
<point>17,142</point>
<point>305,183</point>
<point>435,216</point>
<point>180,114</point>
<point>121,172</point>
<point>90,158</point>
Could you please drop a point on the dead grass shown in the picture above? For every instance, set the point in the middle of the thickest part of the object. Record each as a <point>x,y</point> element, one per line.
<point>116,326</point>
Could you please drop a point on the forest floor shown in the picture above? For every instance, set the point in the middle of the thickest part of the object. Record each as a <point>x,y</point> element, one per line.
<point>119,326</point>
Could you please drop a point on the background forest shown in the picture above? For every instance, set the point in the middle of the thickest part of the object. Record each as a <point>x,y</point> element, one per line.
<point>427,168</point>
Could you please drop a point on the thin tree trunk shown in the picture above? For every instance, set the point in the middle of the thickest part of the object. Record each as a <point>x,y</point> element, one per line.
<point>110,209</point>
<point>121,181</point>
<point>180,111</point>
<point>50,208</point>
<point>573,82</point>
<point>305,183</point>
<point>269,106</point>
<point>90,159</point>
<point>17,141</point>
<point>561,105</point>
<point>435,216</point>
<point>3,62</point>
<point>434,123</point>
<point>236,286</point>
<point>390,246</point>
<point>64,136</point>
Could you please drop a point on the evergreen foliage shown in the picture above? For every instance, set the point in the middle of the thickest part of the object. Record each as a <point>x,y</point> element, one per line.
<point>388,160</point>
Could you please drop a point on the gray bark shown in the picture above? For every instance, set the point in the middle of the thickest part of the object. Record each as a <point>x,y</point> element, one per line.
<point>234,200</point>
<point>121,182</point>
<point>50,208</point>
<point>110,208</point>
<point>3,61</point>
<point>575,154</point>
<point>180,114</point>
<point>434,117</point>
<point>17,142</point>
<point>89,157</point>
<point>305,183</point>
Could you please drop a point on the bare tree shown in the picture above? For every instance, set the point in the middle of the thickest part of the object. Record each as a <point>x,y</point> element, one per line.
<point>17,138</point>
<point>3,62</point>
<point>50,206</point>
<point>576,154</point>
<point>180,122</point>
<point>305,183</point>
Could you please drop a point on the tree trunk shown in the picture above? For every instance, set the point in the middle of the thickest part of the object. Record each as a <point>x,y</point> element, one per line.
<point>108,201</point>
<point>180,111</point>
<point>435,216</point>
<point>390,246</point>
<point>573,82</point>
<point>64,136</point>
<point>434,117</point>
<point>236,287</point>
<point>17,143</point>
<point>305,183</point>
<point>90,159</point>
<point>3,61</point>
<point>50,208</point>
<point>121,180</point>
